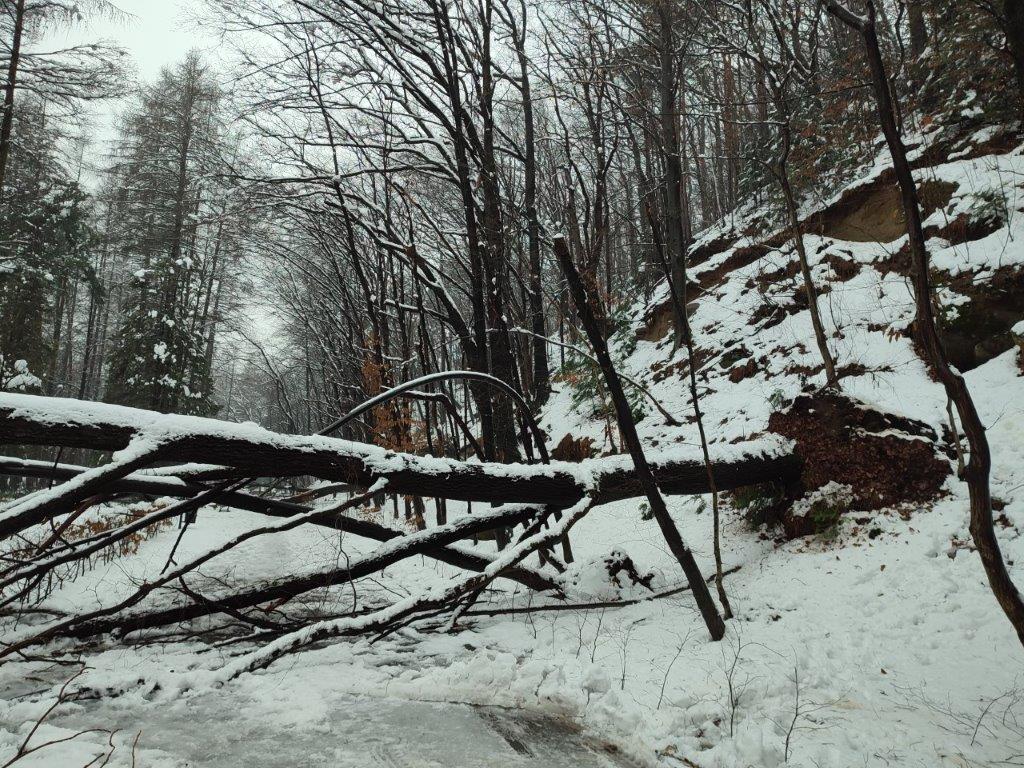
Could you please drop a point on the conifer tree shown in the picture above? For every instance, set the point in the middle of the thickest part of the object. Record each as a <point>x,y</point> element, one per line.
<point>171,145</point>
<point>46,242</point>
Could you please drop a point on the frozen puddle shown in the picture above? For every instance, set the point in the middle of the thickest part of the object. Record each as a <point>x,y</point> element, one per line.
<point>221,729</point>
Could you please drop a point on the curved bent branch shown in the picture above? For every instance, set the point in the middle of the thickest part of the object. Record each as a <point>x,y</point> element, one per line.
<point>483,378</point>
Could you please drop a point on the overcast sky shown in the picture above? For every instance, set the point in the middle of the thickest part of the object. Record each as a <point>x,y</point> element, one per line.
<point>161,32</point>
<point>155,34</point>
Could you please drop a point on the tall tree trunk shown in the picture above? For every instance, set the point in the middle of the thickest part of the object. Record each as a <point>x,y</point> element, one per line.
<point>475,348</point>
<point>730,129</point>
<point>541,374</point>
<point>587,308</point>
<point>980,461</point>
<point>1013,15</point>
<point>918,28</point>
<point>12,78</point>
<point>500,346</point>
<point>675,238</point>
<point>675,269</point>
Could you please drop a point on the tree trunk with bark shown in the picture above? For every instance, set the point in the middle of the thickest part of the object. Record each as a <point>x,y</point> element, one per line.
<point>980,461</point>
<point>7,123</point>
<point>29,420</point>
<point>587,308</point>
<point>1013,15</point>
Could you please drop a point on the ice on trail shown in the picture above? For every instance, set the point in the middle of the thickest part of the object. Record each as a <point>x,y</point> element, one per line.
<point>227,729</point>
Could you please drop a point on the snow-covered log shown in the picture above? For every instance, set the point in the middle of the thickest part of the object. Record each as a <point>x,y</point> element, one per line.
<point>250,450</point>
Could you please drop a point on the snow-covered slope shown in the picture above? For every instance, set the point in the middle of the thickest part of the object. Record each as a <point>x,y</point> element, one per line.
<point>749,311</point>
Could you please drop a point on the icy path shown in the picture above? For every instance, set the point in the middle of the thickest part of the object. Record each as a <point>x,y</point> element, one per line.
<point>220,729</point>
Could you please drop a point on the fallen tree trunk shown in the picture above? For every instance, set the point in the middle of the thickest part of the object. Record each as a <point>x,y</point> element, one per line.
<point>35,508</point>
<point>248,450</point>
<point>156,486</point>
<point>587,307</point>
<point>244,451</point>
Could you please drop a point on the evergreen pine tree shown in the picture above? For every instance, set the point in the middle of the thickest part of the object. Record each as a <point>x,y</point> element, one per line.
<point>171,143</point>
<point>46,241</point>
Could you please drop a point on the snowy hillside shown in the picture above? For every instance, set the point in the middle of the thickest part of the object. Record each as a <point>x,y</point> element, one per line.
<point>747,304</point>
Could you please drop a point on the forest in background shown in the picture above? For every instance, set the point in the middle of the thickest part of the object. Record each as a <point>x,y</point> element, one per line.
<point>378,184</point>
<point>649,290</point>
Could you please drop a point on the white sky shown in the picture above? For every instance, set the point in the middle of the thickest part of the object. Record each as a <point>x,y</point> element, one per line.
<point>155,34</point>
<point>161,32</point>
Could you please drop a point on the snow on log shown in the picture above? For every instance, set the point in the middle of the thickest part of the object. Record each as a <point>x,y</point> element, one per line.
<point>248,449</point>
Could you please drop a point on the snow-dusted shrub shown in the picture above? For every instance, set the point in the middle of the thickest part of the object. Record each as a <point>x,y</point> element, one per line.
<point>758,503</point>
<point>824,506</point>
<point>18,377</point>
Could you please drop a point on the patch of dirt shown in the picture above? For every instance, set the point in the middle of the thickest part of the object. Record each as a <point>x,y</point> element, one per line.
<point>741,372</point>
<point>874,213</point>
<point>733,355</point>
<point>999,144</point>
<point>980,329</point>
<point>886,459</point>
<point>741,257</point>
<point>964,229</point>
<point>661,370</point>
<point>573,449</point>
<point>659,319</point>
<point>844,268</point>
<point>657,322</point>
<point>772,276</point>
<point>680,368</point>
<point>772,313</point>
<point>843,372</point>
<point>704,252</point>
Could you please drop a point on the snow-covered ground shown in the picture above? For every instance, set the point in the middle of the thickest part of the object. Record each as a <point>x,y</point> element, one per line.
<point>240,727</point>
<point>887,650</point>
<point>879,646</point>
